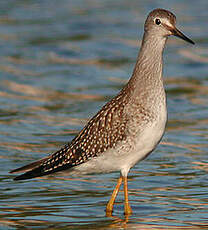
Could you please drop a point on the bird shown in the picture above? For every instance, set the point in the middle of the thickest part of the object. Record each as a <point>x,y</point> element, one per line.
<point>128,127</point>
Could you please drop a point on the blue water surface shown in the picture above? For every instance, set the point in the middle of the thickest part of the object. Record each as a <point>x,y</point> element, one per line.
<point>60,61</point>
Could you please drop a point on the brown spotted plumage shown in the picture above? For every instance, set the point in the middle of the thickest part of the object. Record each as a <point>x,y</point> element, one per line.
<point>102,132</point>
<point>129,127</point>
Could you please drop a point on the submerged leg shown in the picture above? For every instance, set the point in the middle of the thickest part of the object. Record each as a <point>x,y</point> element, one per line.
<point>109,207</point>
<point>127,207</point>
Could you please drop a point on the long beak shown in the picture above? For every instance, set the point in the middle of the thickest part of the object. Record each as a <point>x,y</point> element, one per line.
<point>179,34</point>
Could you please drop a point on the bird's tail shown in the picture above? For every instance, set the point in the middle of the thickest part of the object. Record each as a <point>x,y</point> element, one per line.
<point>32,170</point>
<point>51,164</point>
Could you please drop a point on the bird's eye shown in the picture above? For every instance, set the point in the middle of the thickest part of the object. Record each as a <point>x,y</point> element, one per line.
<point>157,21</point>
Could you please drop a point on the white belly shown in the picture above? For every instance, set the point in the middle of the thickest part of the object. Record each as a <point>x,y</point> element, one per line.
<point>128,152</point>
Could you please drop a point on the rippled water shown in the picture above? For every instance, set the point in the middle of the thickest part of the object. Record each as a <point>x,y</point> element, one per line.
<point>60,61</point>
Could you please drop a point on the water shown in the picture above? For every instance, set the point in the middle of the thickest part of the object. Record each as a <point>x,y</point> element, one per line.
<point>60,62</point>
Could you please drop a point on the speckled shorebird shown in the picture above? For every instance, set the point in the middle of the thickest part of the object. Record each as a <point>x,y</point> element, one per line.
<point>129,127</point>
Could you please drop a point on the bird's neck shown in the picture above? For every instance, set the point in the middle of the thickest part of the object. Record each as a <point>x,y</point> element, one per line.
<point>146,81</point>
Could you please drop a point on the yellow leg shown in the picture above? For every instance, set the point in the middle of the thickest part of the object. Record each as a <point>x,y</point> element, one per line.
<point>127,207</point>
<point>109,207</point>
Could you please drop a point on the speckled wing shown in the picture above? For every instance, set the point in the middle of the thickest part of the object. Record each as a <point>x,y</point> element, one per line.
<point>102,132</point>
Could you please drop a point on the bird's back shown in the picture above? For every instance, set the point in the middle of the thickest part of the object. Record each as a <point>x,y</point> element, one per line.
<point>103,132</point>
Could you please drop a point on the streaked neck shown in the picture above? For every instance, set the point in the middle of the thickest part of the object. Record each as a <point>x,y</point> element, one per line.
<point>147,75</point>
